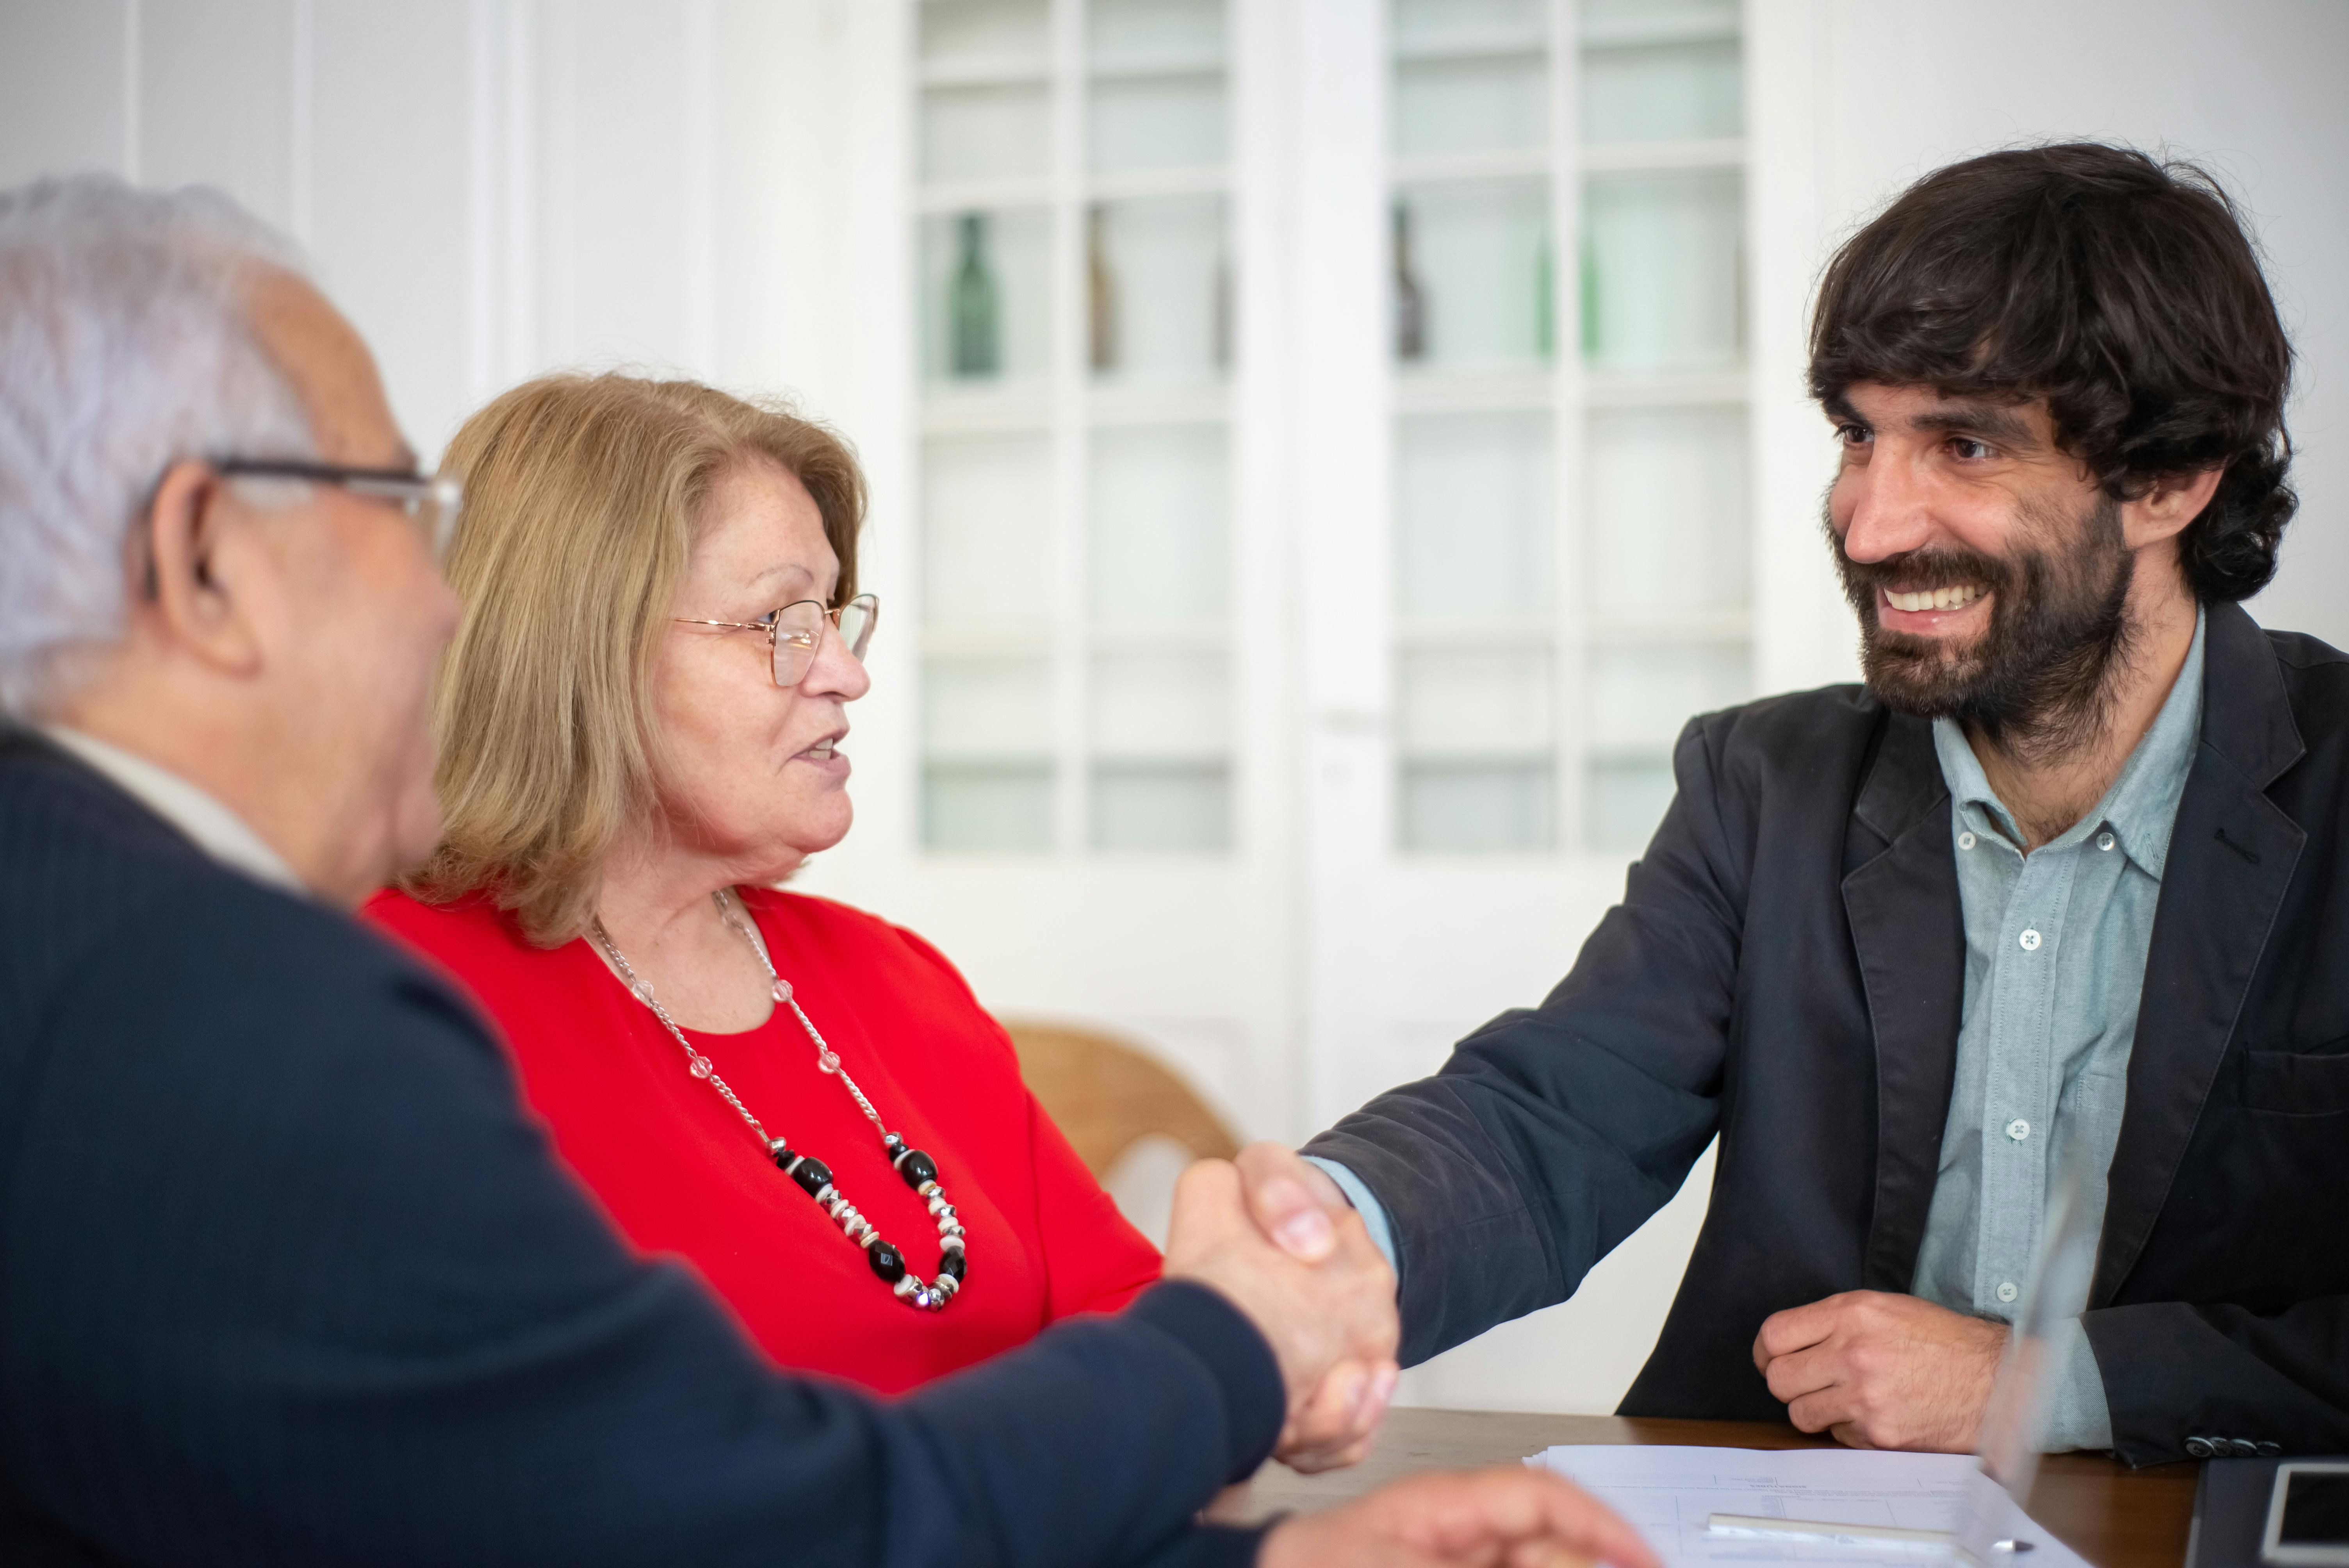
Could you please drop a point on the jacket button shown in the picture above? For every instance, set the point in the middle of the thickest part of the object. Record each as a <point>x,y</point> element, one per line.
<point>2199,1449</point>
<point>2243,1447</point>
<point>2270,1450</point>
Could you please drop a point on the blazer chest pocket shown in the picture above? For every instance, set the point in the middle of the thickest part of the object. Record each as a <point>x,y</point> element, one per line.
<point>2295,1083</point>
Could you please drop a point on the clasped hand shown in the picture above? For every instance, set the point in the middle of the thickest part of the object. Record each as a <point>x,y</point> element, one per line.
<point>1307,1274</point>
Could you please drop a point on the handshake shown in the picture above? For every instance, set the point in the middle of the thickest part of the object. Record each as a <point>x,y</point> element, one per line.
<point>1274,1236</point>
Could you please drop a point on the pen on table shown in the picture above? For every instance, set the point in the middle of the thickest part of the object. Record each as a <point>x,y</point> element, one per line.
<point>1757,1527</point>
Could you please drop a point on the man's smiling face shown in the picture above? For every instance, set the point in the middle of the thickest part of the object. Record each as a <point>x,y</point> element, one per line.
<point>1988,568</point>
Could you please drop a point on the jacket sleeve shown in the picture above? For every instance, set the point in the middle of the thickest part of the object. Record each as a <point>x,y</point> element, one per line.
<point>2174,1371</point>
<point>287,1275</point>
<point>1552,1134</point>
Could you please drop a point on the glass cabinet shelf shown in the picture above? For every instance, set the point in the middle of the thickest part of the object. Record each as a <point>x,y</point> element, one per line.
<point>1570,556</point>
<point>1077,298</point>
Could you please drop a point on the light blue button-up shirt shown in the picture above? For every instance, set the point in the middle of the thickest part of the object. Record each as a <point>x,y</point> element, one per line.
<point>2055,946</point>
<point>2055,950</point>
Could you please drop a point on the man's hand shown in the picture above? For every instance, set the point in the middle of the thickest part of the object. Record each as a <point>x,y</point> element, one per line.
<point>1507,1517</point>
<point>1330,1321</point>
<point>1297,1204</point>
<point>1882,1371</point>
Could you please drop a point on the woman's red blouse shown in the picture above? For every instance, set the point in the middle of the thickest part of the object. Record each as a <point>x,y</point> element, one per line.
<point>679,1172</point>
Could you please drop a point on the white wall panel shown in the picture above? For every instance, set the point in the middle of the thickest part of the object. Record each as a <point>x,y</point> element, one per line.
<point>64,100</point>
<point>388,169</point>
<point>217,96</point>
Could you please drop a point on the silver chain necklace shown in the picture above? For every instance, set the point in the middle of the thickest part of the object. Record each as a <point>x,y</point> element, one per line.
<point>918,1170</point>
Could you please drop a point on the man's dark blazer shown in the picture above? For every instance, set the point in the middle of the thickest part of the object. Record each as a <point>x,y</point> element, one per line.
<point>287,1277</point>
<point>1787,971</point>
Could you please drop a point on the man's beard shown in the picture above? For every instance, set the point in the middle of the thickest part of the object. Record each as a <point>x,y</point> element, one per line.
<point>2036,683</point>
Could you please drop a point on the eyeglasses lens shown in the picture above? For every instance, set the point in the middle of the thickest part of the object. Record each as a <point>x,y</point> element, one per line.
<point>856,621</point>
<point>798,629</point>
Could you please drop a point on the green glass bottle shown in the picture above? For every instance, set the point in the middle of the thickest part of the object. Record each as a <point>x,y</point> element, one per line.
<point>974,348</point>
<point>1544,300</point>
<point>1594,342</point>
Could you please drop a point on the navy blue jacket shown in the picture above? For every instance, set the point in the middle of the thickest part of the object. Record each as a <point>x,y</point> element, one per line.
<point>287,1277</point>
<point>1787,971</point>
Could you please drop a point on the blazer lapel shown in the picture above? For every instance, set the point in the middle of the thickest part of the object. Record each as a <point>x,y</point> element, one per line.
<point>1909,933</point>
<point>2232,855</point>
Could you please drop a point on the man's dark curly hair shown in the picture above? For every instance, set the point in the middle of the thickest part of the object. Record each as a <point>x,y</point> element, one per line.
<point>2122,290</point>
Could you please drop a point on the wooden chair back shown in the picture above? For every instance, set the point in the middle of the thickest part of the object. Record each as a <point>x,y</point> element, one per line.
<point>1104,1095</point>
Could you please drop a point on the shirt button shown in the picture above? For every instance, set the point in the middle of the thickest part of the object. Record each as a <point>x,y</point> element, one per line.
<point>1965,841</point>
<point>2018,1130</point>
<point>2030,940</point>
<point>2006,1291</point>
<point>2104,841</point>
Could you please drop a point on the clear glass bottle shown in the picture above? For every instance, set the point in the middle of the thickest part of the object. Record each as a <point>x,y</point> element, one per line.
<point>1101,293</point>
<point>976,347</point>
<point>1410,303</point>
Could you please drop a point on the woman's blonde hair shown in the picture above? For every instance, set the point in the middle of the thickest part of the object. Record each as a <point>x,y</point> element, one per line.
<point>583,494</point>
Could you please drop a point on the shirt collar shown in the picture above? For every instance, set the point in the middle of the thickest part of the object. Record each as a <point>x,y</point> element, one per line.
<point>2142,803</point>
<point>211,826</point>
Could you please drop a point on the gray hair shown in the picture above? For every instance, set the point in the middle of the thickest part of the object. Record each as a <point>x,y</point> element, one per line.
<point>126,345</point>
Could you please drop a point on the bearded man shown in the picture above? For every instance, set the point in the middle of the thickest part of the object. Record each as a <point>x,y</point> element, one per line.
<point>2066,878</point>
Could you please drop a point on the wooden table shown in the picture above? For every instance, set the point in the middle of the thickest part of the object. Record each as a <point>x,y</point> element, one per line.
<point>2110,1514</point>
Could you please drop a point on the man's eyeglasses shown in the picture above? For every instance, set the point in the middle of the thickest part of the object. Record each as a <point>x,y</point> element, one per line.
<point>796,631</point>
<point>430,502</point>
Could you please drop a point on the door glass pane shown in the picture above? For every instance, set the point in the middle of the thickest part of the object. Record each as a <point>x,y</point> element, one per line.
<point>976,34</point>
<point>1476,252</point>
<point>1474,515</point>
<point>1172,120</point>
<point>1623,799</point>
<point>987,706</point>
<point>986,306</point>
<point>987,535</point>
<point>1668,511</point>
<point>1160,501</point>
<point>1158,279</point>
<point>1664,267</point>
<point>1474,105</point>
<point>1163,807</point>
<point>1664,92</point>
<point>1424,27</point>
<point>1451,807</point>
<point>1475,702</point>
<point>996,132</point>
<point>1642,697</point>
<point>994,807</point>
<point>1628,21</point>
<point>1154,35</point>
<point>986,743</point>
<point>1162,704</point>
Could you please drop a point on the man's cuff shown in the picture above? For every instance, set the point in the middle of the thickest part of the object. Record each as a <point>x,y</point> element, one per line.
<point>2077,1415</point>
<point>1256,1401</point>
<point>1366,1204</point>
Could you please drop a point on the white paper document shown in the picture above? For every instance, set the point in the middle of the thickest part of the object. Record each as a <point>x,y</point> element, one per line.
<point>1669,1494</point>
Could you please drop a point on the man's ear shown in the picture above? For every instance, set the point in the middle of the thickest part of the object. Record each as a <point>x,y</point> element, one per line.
<point>187,588</point>
<point>2173,501</point>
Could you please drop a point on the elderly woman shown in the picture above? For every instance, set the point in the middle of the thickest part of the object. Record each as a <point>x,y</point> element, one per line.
<point>640,725</point>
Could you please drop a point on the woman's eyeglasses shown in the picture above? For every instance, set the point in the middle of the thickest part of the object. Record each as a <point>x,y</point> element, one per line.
<point>796,631</point>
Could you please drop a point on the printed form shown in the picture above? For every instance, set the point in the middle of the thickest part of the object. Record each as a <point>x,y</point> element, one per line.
<point>1669,1494</point>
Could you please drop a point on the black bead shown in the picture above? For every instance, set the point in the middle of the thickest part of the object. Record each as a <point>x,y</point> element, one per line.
<point>917,1168</point>
<point>813,1174</point>
<point>954,1263</point>
<point>782,1155</point>
<point>886,1261</point>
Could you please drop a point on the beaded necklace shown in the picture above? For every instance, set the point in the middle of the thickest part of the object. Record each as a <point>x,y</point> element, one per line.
<point>815,1178</point>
